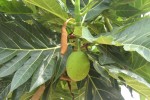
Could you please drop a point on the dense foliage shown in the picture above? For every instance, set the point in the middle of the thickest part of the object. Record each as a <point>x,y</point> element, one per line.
<point>114,34</point>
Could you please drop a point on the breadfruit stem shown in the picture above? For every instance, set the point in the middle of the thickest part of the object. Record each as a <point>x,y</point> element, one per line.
<point>77,12</point>
<point>78,44</point>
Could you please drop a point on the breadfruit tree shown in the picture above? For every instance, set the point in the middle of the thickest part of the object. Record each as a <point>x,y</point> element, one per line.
<point>74,49</point>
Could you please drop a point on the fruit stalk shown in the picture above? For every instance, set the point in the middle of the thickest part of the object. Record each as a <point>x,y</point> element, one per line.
<point>78,44</point>
<point>78,20</point>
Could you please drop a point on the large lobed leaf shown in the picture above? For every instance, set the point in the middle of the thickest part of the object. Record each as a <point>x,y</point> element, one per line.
<point>100,88</point>
<point>130,66</point>
<point>14,7</point>
<point>134,37</point>
<point>140,66</point>
<point>44,72</point>
<point>131,79</point>
<point>26,50</point>
<point>52,6</point>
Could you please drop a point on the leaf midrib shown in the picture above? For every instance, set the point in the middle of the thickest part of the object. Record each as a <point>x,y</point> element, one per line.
<point>30,49</point>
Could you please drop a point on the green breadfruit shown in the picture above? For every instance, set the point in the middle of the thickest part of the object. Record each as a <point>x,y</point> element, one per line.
<point>78,65</point>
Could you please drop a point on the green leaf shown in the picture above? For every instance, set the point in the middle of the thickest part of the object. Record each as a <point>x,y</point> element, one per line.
<point>102,39</point>
<point>143,5</point>
<point>136,37</point>
<point>140,66</point>
<point>126,10</point>
<point>52,7</point>
<point>6,55</point>
<point>10,67</point>
<point>131,79</point>
<point>19,92</point>
<point>14,7</point>
<point>101,88</point>
<point>61,63</point>
<point>101,70</point>
<point>142,97</point>
<point>44,72</point>
<point>120,2</point>
<point>24,50</point>
<point>4,88</point>
<point>62,4</point>
<point>114,55</point>
<point>88,92</point>
<point>5,92</point>
<point>130,63</point>
<point>97,10</point>
<point>27,95</point>
<point>62,91</point>
<point>22,93</point>
<point>137,41</point>
<point>96,27</point>
<point>26,71</point>
<point>78,30</point>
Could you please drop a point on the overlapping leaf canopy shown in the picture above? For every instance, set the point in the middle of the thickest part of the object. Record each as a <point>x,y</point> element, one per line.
<point>26,51</point>
<point>29,48</point>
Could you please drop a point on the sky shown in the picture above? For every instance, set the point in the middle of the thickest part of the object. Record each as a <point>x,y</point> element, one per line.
<point>127,96</point>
